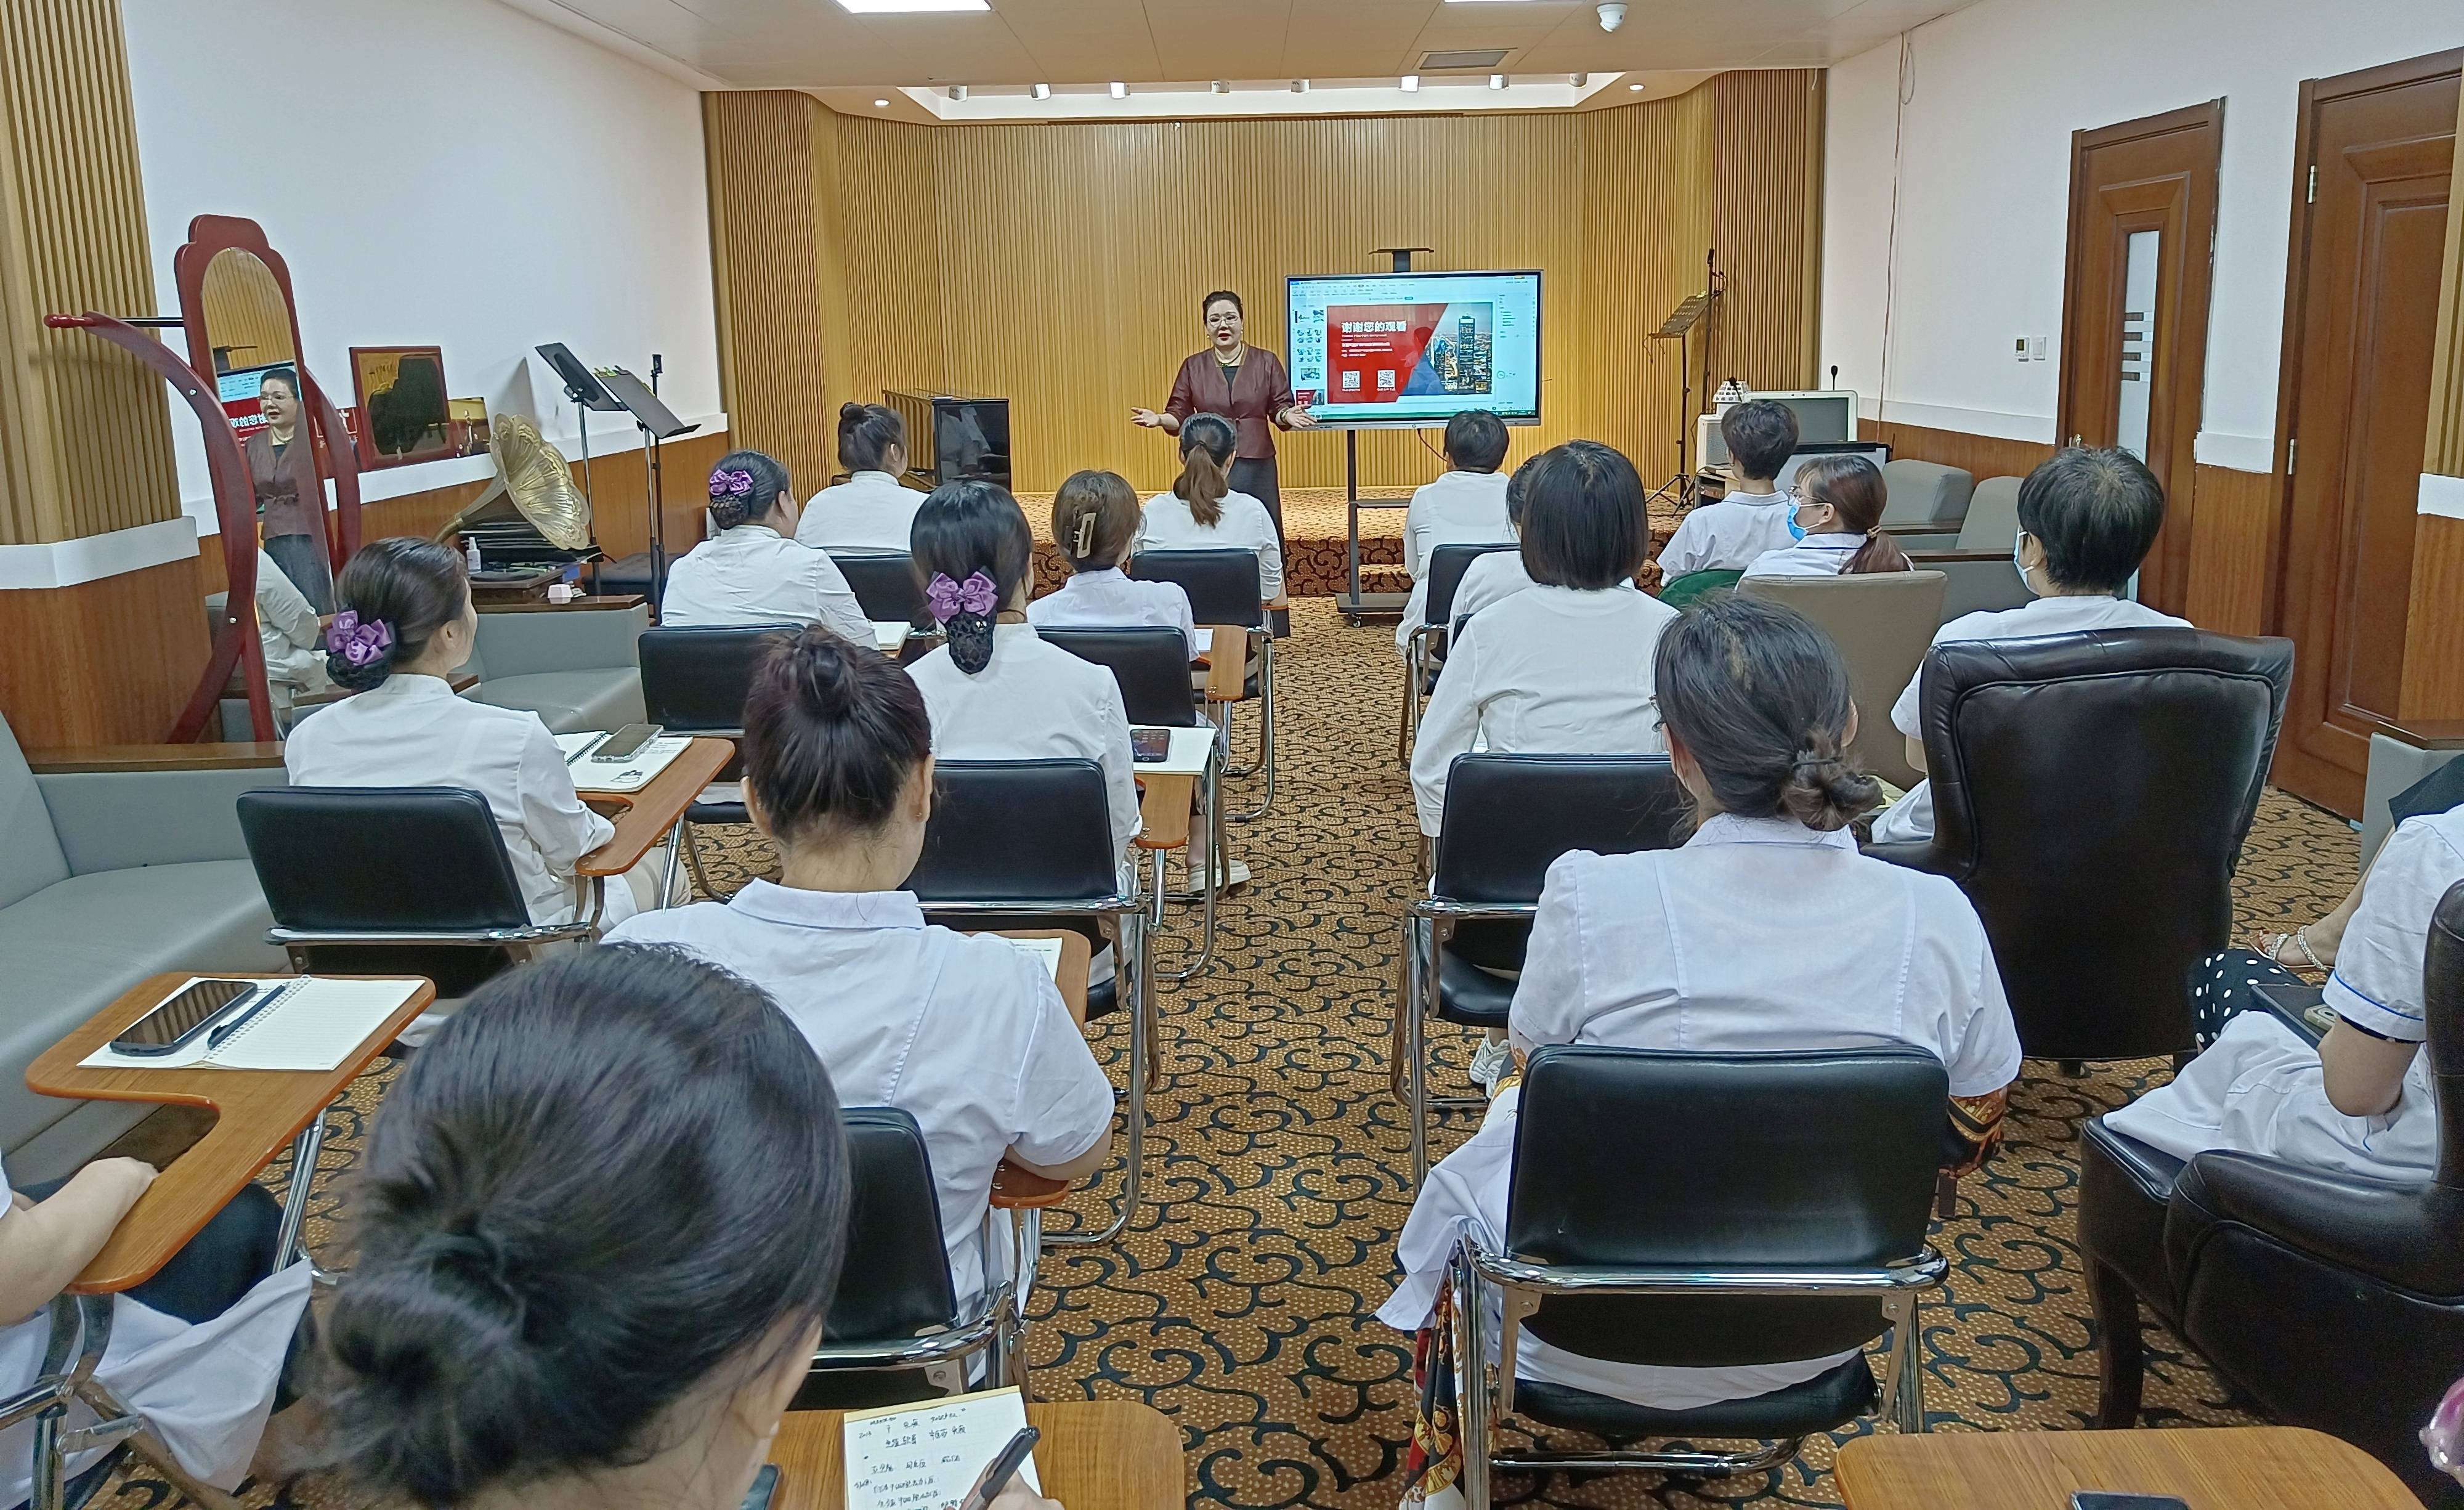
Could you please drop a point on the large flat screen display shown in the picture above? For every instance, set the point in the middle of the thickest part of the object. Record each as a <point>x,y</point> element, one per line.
<point>1407,349</point>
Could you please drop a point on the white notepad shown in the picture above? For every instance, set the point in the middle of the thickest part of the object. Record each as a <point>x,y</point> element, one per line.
<point>314,1023</point>
<point>1191,749</point>
<point>888,634</point>
<point>625,776</point>
<point>927,1457</point>
<point>1046,952</point>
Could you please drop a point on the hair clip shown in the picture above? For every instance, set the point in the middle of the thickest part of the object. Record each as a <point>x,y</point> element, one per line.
<point>948,599</point>
<point>727,484</point>
<point>359,643</point>
<point>1085,541</point>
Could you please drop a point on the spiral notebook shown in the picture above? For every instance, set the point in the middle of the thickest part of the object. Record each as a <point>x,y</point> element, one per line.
<point>313,1023</point>
<point>926,1457</point>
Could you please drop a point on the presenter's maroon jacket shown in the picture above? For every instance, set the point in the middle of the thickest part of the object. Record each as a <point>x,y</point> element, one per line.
<point>1251,401</point>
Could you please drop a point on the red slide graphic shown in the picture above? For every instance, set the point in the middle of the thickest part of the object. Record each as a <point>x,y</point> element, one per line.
<point>1372,349</point>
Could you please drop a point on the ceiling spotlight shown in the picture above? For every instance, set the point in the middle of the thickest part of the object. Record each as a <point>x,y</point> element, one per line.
<point>881,104</point>
<point>957,91</point>
<point>1219,87</point>
<point>1612,15</point>
<point>1410,83</point>
<point>1580,80</point>
<point>909,6</point>
<point>1497,80</point>
<point>1300,86</point>
<point>1042,91</point>
<point>1121,90</point>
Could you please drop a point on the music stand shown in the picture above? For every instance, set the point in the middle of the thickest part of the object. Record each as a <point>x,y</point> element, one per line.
<point>583,390</point>
<point>1695,309</point>
<point>658,423</point>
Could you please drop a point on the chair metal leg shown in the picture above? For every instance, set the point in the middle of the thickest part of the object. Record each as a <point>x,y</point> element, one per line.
<point>675,857</point>
<point>1415,1071</point>
<point>692,858</point>
<point>1471,1387</point>
<point>1141,979</point>
<point>304,1151</point>
<point>1266,735</point>
<point>1211,803</point>
<point>1908,1387</point>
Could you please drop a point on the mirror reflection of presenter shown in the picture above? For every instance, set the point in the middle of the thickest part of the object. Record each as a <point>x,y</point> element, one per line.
<point>1247,386</point>
<point>282,466</point>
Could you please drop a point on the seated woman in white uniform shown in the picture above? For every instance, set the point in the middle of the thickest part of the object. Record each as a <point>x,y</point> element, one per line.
<point>2362,1101</point>
<point>962,1029</point>
<point>1767,931</point>
<point>1835,517</point>
<point>1203,513</point>
<point>1095,523</point>
<point>1500,573</point>
<point>2087,519</point>
<point>1564,666</point>
<point>754,570</point>
<point>198,1349</point>
<point>872,512</point>
<point>292,638</point>
<point>406,624</point>
<point>1464,506</point>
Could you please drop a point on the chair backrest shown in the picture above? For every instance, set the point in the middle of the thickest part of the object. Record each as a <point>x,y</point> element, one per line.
<point>1150,661</point>
<point>1881,622</point>
<point>1017,830</point>
<point>1992,522</point>
<point>1508,817</point>
<point>2442,989</point>
<point>2091,794</point>
<point>1222,584</point>
<point>695,680</point>
<point>1447,565</point>
<point>885,584</point>
<point>381,860</point>
<point>1682,591</point>
<point>1926,493</point>
<point>895,1283</point>
<point>30,857</point>
<point>1654,1159</point>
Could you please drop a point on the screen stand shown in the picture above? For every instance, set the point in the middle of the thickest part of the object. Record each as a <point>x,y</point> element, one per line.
<point>1357,606</point>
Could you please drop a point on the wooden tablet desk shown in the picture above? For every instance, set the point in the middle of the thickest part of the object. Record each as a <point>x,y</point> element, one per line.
<point>2219,1468</point>
<point>257,1112</point>
<point>1096,1454</point>
<point>645,817</point>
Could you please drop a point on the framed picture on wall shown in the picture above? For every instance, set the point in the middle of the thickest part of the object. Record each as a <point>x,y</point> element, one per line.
<point>403,413</point>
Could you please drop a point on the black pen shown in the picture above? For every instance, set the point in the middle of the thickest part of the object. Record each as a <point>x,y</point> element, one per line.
<point>264,998</point>
<point>997,1476</point>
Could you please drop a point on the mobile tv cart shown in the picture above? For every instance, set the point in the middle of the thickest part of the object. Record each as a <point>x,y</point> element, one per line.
<point>1357,607</point>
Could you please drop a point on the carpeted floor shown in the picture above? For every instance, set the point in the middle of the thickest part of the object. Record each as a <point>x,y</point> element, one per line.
<point>1240,1303</point>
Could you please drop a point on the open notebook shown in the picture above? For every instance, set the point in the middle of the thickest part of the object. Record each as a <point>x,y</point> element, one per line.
<point>1046,952</point>
<point>631,774</point>
<point>927,1457</point>
<point>313,1023</point>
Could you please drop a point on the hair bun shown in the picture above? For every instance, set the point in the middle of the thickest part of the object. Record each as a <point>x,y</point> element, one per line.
<point>1825,790</point>
<point>362,676</point>
<point>851,413</point>
<point>823,671</point>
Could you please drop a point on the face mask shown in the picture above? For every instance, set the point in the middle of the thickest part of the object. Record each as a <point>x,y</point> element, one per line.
<point>2020,566</point>
<point>1795,530</point>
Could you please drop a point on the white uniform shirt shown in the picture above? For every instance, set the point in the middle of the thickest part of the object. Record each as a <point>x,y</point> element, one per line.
<point>1499,574</point>
<point>965,1033</point>
<point>1548,670</point>
<point>1814,556</point>
<point>749,575</point>
<point>205,1387</point>
<point>1730,535</point>
<point>412,731</point>
<point>1910,819</point>
<point>871,511</point>
<point>1757,935</point>
<point>1110,598</point>
<point>1460,508</point>
<point>1033,701</point>
<point>2260,1087</point>
<point>1245,525</point>
<point>287,631</point>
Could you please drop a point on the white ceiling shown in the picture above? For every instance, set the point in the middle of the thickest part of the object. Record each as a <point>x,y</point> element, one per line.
<point>814,44</point>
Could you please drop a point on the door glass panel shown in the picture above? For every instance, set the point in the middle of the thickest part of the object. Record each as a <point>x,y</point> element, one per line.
<point>2138,341</point>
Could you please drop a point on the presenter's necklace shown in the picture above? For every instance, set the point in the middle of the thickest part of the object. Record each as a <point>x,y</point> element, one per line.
<point>1240,354</point>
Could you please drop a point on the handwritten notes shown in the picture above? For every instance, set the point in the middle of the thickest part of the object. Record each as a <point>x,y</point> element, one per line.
<point>927,1457</point>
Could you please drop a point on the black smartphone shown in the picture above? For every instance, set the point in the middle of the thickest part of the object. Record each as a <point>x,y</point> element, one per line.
<point>765,1486</point>
<point>1150,746</point>
<point>2096,1500</point>
<point>624,742</point>
<point>183,1017</point>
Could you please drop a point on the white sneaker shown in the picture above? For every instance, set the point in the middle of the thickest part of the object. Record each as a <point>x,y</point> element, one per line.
<point>1492,1063</point>
<point>1232,876</point>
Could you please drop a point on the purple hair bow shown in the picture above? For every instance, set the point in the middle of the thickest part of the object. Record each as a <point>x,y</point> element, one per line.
<point>726,485</point>
<point>949,599</point>
<point>358,643</point>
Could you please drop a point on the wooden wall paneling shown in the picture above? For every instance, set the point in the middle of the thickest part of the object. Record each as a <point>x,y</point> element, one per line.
<point>1767,221</point>
<point>891,218</point>
<point>73,238</point>
<point>2233,528</point>
<point>2433,661</point>
<point>1985,456</point>
<point>767,260</point>
<point>104,662</point>
<point>1648,222</point>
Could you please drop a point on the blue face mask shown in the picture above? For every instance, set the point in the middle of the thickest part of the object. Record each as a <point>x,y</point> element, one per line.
<point>1795,530</point>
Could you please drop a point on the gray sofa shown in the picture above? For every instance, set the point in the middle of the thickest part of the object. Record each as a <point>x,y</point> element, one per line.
<point>575,669</point>
<point>107,878</point>
<point>1979,563</point>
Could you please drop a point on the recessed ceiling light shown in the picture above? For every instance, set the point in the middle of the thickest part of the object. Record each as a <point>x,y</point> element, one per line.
<point>1121,90</point>
<point>881,104</point>
<point>1410,83</point>
<point>1637,88</point>
<point>1042,91</point>
<point>1497,80</point>
<point>905,7</point>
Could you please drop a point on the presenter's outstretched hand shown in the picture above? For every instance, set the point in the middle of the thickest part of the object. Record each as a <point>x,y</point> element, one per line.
<point>1149,419</point>
<point>1298,418</point>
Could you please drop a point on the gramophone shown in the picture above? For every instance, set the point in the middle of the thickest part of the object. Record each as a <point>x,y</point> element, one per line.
<point>530,523</point>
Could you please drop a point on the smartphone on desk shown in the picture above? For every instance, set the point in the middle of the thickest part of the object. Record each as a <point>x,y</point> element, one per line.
<point>190,1011</point>
<point>1150,746</point>
<point>624,744</point>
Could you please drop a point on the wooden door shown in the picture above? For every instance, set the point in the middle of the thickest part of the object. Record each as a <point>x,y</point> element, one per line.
<point>2376,153</point>
<point>2135,309</point>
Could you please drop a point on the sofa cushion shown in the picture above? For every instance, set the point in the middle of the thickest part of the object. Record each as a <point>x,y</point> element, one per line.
<point>1926,493</point>
<point>76,945</point>
<point>571,702</point>
<point>30,850</point>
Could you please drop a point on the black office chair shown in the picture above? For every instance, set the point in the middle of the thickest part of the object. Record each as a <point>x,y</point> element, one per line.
<point>894,1332</point>
<point>1508,819</point>
<point>695,680</point>
<point>885,584</point>
<point>1150,663</point>
<point>2091,794</point>
<point>1701,1211</point>
<point>1028,843</point>
<point>397,880</point>
<point>1427,649</point>
<point>2336,1302</point>
<point>1223,591</point>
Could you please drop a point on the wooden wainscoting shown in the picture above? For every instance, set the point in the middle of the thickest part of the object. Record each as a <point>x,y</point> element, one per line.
<point>2235,526</point>
<point>2434,645</point>
<point>1984,455</point>
<point>107,662</point>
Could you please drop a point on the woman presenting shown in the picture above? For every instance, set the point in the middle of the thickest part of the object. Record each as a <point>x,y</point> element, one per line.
<point>290,496</point>
<point>1244,385</point>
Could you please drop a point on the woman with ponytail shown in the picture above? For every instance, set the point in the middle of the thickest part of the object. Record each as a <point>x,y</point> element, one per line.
<point>1836,517</point>
<point>754,570</point>
<point>872,512</point>
<point>1766,932</point>
<point>406,624</point>
<point>995,690</point>
<point>1204,513</point>
<point>960,1029</point>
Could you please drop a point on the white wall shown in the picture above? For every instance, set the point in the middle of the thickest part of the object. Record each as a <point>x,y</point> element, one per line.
<point>450,173</point>
<point>1992,95</point>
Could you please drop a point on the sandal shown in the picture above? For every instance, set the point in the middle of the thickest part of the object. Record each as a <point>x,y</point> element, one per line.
<point>2271,946</point>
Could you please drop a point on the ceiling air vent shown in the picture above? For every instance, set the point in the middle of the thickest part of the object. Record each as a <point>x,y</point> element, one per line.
<point>1475,61</point>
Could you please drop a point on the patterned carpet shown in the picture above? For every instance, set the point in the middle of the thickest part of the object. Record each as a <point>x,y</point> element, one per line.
<point>1240,1303</point>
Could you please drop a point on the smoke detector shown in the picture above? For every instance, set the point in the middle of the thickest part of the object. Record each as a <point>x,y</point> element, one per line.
<point>1612,15</point>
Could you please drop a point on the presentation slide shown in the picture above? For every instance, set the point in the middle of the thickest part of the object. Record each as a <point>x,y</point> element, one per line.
<point>1416,348</point>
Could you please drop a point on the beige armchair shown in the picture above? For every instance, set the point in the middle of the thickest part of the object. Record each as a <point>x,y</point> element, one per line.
<point>1882,622</point>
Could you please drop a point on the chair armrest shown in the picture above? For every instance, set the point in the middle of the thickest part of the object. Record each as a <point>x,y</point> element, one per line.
<point>1924,537</point>
<point>1956,557</point>
<point>525,644</point>
<point>155,758</point>
<point>1018,1189</point>
<point>2405,1234</point>
<point>110,820</point>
